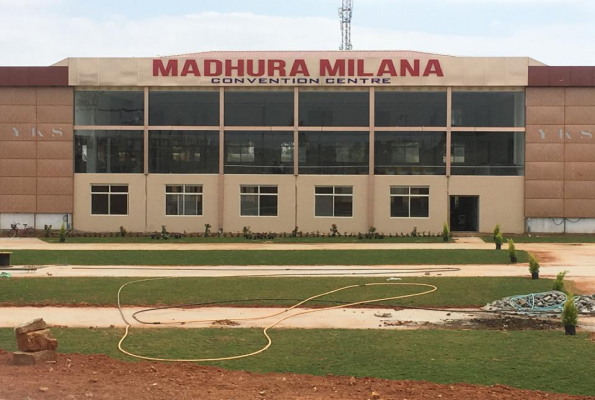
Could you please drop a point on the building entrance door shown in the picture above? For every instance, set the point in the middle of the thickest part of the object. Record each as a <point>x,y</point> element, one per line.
<point>464,213</point>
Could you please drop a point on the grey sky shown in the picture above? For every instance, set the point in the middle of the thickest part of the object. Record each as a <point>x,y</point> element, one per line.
<point>42,32</point>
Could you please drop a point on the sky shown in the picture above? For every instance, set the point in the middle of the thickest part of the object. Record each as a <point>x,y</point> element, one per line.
<point>43,32</point>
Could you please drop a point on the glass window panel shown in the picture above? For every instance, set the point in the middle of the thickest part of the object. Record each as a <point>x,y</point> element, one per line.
<point>420,190</point>
<point>343,206</point>
<point>191,203</point>
<point>334,108</point>
<point>268,206</point>
<point>249,205</point>
<point>174,189</point>
<point>410,153</point>
<point>118,204</point>
<point>323,206</point>
<point>99,204</point>
<point>193,189</point>
<point>399,207</point>
<point>119,189</point>
<point>399,190</point>
<point>268,189</point>
<point>344,189</point>
<point>177,108</point>
<point>334,153</point>
<point>172,204</point>
<point>258,152</point>
<point>249,189</point>
<point>420,207</point>
<point>100,189</point>
<point>110,152</point>
<point>488,109</point>
<point>404,108</point>
<point>258,108</point>
<point>184,152</point>
<point>488,153</point>
<point>108,108</point>
<point>323,189</point>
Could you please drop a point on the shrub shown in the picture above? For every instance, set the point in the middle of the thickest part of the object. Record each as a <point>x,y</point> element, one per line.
<point>559,282</point>
<point>164,233</point>
<point>511,248</point>
<point>207,229</point>
<point>123,231</point>
<point>499,239</point>
<point>414,232</point>
<point>445,231</point>
<point>496,231</point>
<point>334,230</point>
<point>62,234</point>
<point>47,229</point>
<point>570,313</point>
<point>533,264</point>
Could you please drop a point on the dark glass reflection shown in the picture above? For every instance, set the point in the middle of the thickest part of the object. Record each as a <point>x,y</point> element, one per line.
<point>258,152</point>
<point>184,152</point>
<point>488,109</point>
<point>410,153</point>
<point>258,108</point>
<point>334,108</point>
<point>488,153</point>
<point>399,108</point>
<point>183,108</point>
<point>333,153</point>
<point>108,108</point>
<point>111,152</point>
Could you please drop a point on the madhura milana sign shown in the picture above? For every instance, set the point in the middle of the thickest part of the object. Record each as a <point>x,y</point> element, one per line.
<point>297,71</point>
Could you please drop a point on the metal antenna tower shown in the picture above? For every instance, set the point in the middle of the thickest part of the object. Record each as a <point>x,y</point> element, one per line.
<point>345,14</point>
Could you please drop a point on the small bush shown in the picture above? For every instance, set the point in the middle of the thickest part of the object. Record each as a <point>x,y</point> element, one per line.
<point>62,234</point>
<point>123,231</point>
<point>445,232</point>
<point>499,239</point>
<point>496,231</point>
<point>47,229</point>
<point>533,264</point>
<point>334,230</point>
<point>559,282</point>
<point>570,313</point>
<point>511,248</point>
<point>207,230</point>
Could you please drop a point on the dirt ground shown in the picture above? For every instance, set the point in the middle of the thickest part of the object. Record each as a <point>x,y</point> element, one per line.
<point>77,376</point>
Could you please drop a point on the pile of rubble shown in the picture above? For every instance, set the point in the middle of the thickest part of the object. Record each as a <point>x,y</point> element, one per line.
<point>35,342</point>
<point>541,302</point>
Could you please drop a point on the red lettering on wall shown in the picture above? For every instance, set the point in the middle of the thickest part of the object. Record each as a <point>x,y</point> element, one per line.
<point>160,69</point>
<point>229,67</point>
<point>190,67</point>
<point>387,67</point>
<point>326,69</point>
<point>350,67</point>
<point>433,67</point>
<point>250,68</point>
<point>407,68</point>
<point>276,65</point>
<point>361,69</point>
<point>299,67</point>
<point>213,68</point>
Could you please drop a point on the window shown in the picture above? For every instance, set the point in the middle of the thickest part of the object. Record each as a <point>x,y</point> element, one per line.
<point>183,200</point>
<point>410,153</point>
<point>258,201</point>
<point>109,199</point>
<point>109,152</point>
<point>488,109</point>
<point>338,108</point>
<point>109,108</point>
<point>408,108</point>
<point>488,153</point>
<point>254,108</point>
<point>184,152</point>
<point>409,202</point>
<point>334,153</point>
<point>258,152</point>
<point>333,201</point>
<point>188,108</point>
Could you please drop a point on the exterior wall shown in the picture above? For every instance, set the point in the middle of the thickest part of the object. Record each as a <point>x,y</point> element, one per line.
<point>36,134</point>
<point>438,204</point>
<point>500,200</point>
<point>133,222</point>
<point>156,205</point>
<point>560,155</point>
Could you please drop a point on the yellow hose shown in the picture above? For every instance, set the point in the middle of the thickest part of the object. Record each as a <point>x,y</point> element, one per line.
<point>265,330</point>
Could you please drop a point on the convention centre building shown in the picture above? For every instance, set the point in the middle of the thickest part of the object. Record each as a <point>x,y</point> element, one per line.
<point>394,140</point>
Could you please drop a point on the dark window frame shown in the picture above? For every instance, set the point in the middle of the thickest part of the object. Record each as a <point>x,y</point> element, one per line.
<point>409,196</point>
<point>182,199</point>
<point>109,196</point>
<point>258,194</point>
<point>337,194</point>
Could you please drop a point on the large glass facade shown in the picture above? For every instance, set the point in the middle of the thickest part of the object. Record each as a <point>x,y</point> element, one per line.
<point>410,153</point>
<point>270,108</point>
<point>488,109</point>
<point>333,153</point>
<point>184,152</point>
<point>118,108</point>
<point>409,108</point>
<point>488,153</point>
<point>258,152</point>
<point>337,108</point>
<point>108,152</point>
<point>187,108</point>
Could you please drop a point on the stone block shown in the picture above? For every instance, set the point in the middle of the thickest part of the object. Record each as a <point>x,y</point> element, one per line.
<point>26,358</point>
<point>36,341</point>
<point>37,324</point>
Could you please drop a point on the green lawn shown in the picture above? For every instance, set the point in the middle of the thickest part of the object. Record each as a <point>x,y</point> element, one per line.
<point>213,240</point>
<point>456,292</point>
<point>541,360</point>
<point>545,239</point>
<point>261,257</point>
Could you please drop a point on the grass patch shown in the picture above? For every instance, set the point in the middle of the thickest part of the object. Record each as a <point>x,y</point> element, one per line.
<point>261,257</point>
<point>456,292</point>
<point>535,360</point>
<point>214,240</point>
<point>545,239</point>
